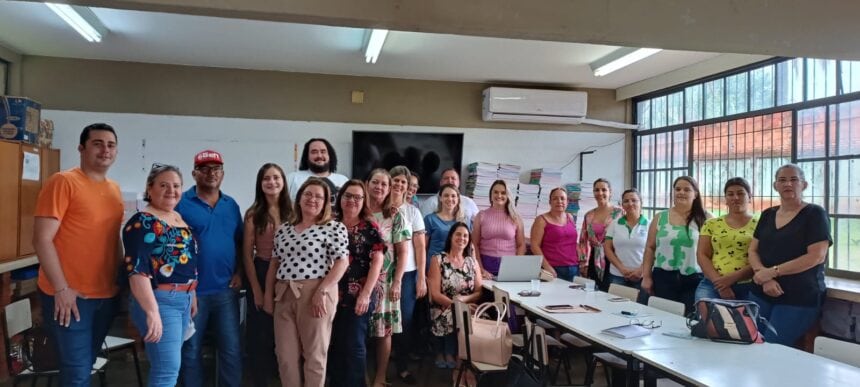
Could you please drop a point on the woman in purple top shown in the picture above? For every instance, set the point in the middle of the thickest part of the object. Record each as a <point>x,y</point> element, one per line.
<point>272,206</point>
<point>554,236</point>
<point>498,230</point>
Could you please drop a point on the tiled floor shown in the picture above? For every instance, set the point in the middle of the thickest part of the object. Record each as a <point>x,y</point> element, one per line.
<point>120,372</point>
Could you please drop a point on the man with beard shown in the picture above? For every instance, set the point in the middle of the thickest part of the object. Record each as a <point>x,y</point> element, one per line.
<point>217,226</point>
<point>78,215</point>
<point>319,160</point>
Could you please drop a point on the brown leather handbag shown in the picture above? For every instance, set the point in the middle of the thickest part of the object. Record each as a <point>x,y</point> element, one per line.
<point>489,338</point>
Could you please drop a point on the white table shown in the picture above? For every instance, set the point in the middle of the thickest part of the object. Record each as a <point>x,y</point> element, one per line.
<point>722,364</point>
<point>589,325</point>
<point>689,361</point>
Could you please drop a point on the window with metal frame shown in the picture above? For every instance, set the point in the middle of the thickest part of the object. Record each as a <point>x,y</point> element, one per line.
<point>749,121</point>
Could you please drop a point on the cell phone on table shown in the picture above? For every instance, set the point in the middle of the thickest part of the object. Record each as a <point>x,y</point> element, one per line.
<point>553,307</point>
<point>577,286</point>
<point>617,299</point>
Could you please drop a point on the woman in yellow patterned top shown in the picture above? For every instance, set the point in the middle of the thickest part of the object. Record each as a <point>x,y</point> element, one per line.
<point>723,244</point>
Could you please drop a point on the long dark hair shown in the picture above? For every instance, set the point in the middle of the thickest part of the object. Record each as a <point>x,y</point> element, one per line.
<point>338,209</point>
<point>697,211</point>
<point>259,211</point>
<point>467,251</point>
<point>332,156</point>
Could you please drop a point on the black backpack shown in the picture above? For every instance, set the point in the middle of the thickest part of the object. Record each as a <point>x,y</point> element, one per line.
<point>40,350</point>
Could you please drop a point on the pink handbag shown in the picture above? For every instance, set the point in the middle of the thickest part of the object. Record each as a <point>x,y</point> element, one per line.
<point>489,339</point>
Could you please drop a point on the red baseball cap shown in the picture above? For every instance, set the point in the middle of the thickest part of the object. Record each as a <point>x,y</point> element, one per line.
<point>208,156</point>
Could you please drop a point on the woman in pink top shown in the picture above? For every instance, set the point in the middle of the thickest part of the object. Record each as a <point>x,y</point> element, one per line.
<point>554,236</point>
<point>497,231</point>
<point>271,207</point>
<point>591,255</point>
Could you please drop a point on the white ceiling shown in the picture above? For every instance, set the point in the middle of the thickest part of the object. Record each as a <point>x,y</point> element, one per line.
<point>32,29</point>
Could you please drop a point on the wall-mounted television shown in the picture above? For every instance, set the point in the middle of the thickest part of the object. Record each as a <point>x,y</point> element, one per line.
<point>428,154</point>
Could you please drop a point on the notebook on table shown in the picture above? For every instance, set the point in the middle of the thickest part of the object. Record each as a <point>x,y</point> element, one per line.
<point>519,268</point>
<point>627,331</point>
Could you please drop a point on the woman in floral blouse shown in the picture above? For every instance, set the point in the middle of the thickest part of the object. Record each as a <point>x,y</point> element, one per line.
<point>356,289</point>
<point>454,276</point>
<point>162,270</point>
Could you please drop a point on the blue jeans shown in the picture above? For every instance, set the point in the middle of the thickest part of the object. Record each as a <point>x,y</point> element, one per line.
<point>566,272</point>
<point>401,341</point>
<point>222,311</point>
<point>447,345</point>
<point>706,290</point>
<point>348,360</point>
<point>617,279</point>
<point>80,342</point>
<point>673,285</point>
<point>165,355</point>
<point>790,321</point>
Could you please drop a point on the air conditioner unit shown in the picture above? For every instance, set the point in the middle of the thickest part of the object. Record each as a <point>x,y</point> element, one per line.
<point>507,104</point>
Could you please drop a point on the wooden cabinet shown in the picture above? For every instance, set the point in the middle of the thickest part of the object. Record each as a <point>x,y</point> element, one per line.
<point>9,193</point>
<point>20,183</point>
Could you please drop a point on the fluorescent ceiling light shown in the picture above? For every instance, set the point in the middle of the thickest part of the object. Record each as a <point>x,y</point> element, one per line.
<point>374,45</point>
<point>620,58</point>
<point>82,19</point>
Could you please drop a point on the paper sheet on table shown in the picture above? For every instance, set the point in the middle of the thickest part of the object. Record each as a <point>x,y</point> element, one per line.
<point>571,309</point>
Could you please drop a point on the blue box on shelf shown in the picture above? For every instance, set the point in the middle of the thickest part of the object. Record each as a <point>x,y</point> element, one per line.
<point>19,119</point>
<point>25,273</point>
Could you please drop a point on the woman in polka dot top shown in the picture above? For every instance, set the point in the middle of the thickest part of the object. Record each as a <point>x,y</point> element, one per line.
<point>309,258</point>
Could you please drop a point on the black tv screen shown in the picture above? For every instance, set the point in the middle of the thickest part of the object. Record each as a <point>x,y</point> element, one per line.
<point>428,154</point>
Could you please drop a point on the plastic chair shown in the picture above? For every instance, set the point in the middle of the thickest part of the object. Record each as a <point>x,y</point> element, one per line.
<point>501,296</point>
<point>589,283</point>
<point>18,320</point>
<point>627,292</point>
<point>841,351</point>
<point>463,323</point>
<point>665,305</point>
<point>116,343</point>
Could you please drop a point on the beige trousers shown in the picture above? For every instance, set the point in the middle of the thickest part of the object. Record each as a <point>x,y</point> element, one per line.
<point>298,334</point>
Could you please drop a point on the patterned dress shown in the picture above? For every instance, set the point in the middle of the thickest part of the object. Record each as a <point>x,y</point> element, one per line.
<point>385,320</point>
<point>364,242</point>
<point>455,282</point>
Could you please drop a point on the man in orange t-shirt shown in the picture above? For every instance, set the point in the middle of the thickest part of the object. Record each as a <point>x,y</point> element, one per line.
<point>76,235</point>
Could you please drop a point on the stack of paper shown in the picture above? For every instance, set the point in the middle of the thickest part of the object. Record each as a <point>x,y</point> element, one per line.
<point>481,177</point>
<point>586,198</point>
<point>574,193</point>
<point>528,196</point>
<point>546,177</point>
<point>511,175</point>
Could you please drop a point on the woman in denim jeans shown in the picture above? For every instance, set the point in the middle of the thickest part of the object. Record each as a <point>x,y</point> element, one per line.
<point>787,254</point>
<point>162,268</point>
<point>723,245</point>
<point>553,235</point>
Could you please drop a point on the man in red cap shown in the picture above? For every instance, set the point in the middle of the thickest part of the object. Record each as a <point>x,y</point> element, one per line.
<point>217,226</point>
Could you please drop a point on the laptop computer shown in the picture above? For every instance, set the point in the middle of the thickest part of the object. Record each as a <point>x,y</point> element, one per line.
<point>519,268</point>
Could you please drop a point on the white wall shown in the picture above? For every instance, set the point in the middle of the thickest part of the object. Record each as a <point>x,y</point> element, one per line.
<point>246,144</point>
